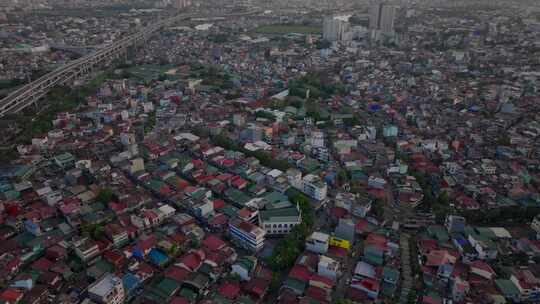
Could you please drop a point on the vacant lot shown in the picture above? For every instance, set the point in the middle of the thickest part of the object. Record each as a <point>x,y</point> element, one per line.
<point>285,29</point>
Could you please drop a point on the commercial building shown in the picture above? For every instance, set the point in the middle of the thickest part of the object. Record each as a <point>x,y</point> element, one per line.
<point>108,290</point>
<point>246,234</point>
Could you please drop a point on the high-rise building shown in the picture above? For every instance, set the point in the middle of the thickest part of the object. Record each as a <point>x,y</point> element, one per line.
<point>334,29</point>
<point>180,4</point>
<point>381,19</point>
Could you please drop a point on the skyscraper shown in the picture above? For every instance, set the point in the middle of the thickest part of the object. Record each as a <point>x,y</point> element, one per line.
<point>381,19</point>
<point>334,29</point>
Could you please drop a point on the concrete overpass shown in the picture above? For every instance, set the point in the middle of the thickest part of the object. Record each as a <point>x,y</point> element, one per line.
<point>78,50</point>
<point>29,94</point>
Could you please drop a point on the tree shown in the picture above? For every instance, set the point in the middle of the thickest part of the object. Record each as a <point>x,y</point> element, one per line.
<point>441,207</point>
<point>105,195</point>
<point>173,250</point>
<point>264,114</point>
<point>412,298</point>
<point>343,176</point>
<point>94,231</point>
<point>378,208</point>
<point>323,44</point>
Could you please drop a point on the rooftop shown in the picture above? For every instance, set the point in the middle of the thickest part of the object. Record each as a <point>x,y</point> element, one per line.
<point>105,285</point>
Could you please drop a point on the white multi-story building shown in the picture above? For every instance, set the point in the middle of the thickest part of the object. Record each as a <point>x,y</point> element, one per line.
<point>381,20</point>
<point>317,139</point>
<point>294,177</point>
<point>488,166</point>
<point>86,249</point>
<point>314,187</point>
<point>246,234</point>
<point>108,290</point>
<point>279,221</point>
<point>334,29</point>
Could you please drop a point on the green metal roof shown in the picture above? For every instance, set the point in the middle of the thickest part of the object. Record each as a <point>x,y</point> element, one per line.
<point>507,287</point>
<point>291,214</point>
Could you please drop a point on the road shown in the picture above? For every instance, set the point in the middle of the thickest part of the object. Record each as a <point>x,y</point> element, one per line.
<point>406,272</point>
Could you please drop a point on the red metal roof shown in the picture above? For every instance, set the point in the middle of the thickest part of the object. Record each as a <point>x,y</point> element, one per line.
<point>300,272</point>
<point>213,243</point>
<point>176,273</point>
<point>229,290</point>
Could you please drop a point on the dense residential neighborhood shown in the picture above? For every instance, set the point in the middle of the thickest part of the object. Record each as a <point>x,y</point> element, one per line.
<point>280,153</point>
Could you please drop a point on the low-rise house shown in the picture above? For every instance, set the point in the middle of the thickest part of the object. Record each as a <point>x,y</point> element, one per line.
<point>244,267</point>
<point>318,242</point>
<point>390,275</point>
<point>117,234</point>
<point>527,283</point>
<point>192,260</point>
<point>328,267</point>
<point>482,269</point>
<point>509,290</point>
<point>370,286</point>
<point>460,289</point>
<point>65,160</point>
<point>486,248</point>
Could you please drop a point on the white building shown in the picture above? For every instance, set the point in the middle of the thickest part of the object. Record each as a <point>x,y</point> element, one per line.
<point>318,242</point>
<point>127,139</point>
<point>279,221</point>
<point>486,249</point>
<point>108,290</point>
<point>381,20</point>
<point>317,139</point>
<point>314,187</point>
<point>294,177</point>
<point>166,211</point>
<point>535,225</point>
<point>239,119</point>
<point>328,267</point>
<point>334,29</point>
<point>86,249</point>
<point>246,234</point>
<point>244,266</point>
<point>136,165</point>
<point>376,182</point>
<point>488,166</point>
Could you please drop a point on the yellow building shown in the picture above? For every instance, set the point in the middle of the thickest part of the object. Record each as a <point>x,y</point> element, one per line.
<point>337,242</point>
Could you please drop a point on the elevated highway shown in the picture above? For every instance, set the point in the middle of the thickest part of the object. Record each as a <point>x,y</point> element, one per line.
<point>29,94</point>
